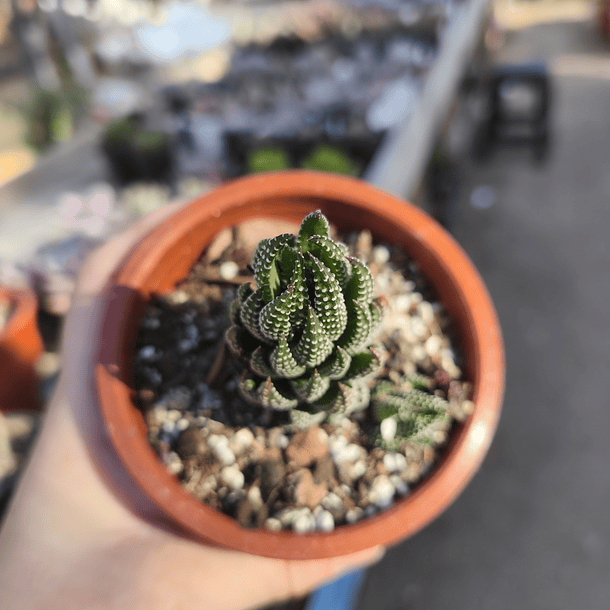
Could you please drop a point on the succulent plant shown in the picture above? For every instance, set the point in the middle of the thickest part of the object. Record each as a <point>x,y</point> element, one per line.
<point>306,329</point>
<point>409,413</point>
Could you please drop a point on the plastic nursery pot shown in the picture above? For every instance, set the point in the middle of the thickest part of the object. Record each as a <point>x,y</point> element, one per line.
<point>165,256</point>
<point>20,347</point>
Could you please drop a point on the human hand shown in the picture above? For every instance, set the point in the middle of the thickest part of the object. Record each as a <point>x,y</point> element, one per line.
<point>78,534</point>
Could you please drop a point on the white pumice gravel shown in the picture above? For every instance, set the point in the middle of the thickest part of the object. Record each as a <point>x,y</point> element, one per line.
<point>401,487</point>
<point>273,524</point>
<point>232,477</point>
<point>388,429</point>
<point>182,424</point>
<point>229,270</point>
<point>357,470</point>
<point>304,524</point>
<point>394,461</point>
<point>381,255</point>
<point>325,521</point>
<point>354,514</point>
<point>254,497</point>
<point>282,441</point>
<point>349,453</point>
<point>148,352</point>
<point>241,440</point>
<point>382,491</point>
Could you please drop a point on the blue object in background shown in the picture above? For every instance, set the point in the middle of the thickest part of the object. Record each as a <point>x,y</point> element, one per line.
<point>342,594</point>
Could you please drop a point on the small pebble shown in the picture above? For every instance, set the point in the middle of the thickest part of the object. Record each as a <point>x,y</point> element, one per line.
<point>332,502</point>
<point>273,524</point>
<point>325,521</point>
<point>288,516</point>
<point>151,323</point>
<point>433,345</point>
<point>357,470</point>
<point>381,255</point>
<point>178,297</point>
<point>232,477</point>
<point>182,424</point>
<point>168,426</point>
<point>382,491</point>
<point>402,303</point>
<point>303,524</point>
<point>282,441</point>
<point>425,312</point>
<point>229,270</point>
<point>394,462</point>
<point>336,443</point>
<point>241,440</point>
<point>418,327</point>
<point>225,455</point>
<point>388,429</point>
<point>255,497</point>
<point>401,487</point>
<point>173,463</point>
<point>370,511</point>
<point>354,514</point>
<point>349,453</point>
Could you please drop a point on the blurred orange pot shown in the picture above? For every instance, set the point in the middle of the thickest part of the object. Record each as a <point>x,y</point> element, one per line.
<point>20,347</point>
<point>165,256</point>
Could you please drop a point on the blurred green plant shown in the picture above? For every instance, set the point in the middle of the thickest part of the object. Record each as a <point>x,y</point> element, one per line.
<point>327,158</point>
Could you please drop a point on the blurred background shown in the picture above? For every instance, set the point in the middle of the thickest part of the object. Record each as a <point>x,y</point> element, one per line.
<point>491,116</point>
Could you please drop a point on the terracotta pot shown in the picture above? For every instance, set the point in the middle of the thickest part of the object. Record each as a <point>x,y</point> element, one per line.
<point>165,256</point>
<point>20,347</point>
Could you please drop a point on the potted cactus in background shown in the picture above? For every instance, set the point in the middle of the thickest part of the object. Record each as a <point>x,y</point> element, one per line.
<point>316,360</point>
<point>20,347</point>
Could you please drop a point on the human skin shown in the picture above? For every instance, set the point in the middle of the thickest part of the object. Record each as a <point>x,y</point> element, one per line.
<point>79,535</point>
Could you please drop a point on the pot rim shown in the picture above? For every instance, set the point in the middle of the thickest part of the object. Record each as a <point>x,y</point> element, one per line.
<point>264,195</point>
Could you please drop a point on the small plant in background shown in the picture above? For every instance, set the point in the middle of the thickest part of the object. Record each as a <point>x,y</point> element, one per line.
<point>307,329</point>
<point>409,412</point>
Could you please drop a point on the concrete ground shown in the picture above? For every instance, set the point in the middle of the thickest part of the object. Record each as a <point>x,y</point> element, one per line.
<point>533,529</point>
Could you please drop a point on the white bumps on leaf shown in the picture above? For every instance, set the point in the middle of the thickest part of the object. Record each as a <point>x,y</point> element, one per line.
<point>314,345</point>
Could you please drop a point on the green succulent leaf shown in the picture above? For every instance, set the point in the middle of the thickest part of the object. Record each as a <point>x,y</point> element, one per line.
<point>259,362</point>
<point>304,419</point>
<point>248,388</point>
<point>310,388</point>
<point>283,362</point>
<point>249,314</point>
<point>363,364</point>
<point>333,255</point>
<point>361,284</point>
<point>243,292</point>
<point>419,415</point>
<point>271,396</point>
<point>314,223</point>
<point>357,330</point>
<point>336,365</point>
<point>232,340</point>
<point>328,299</point>
<point>264,263</point>
<point>315,345</point>
<point>275,317</point>
<point>376,310</point>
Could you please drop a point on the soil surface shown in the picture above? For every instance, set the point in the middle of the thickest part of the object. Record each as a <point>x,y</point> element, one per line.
<point>250,462</point>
